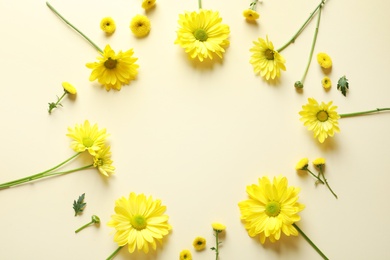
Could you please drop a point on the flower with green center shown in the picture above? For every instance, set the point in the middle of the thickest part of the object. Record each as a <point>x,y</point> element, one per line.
<point>107,24</point>
<point>139,222</point>
<point>199,243</point>
<point>68,89</point>
<point>322,119</point>
<point>302,164</point>
<point>202,35</point>
<point>102,161</point>
<point>140,25</point>
<point>265,60</point>
<point>272,209</point>
<point>326,83</point>
<point>114,70</point>
<point>250,15</point>
<point>87,137</point>
<point>185,255</point>
<point>148,4</point>
<point>324,60</point>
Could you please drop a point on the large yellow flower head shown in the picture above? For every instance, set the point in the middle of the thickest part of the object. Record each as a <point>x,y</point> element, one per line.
<point>87,137</point>
<point>139,222</point>
<point>114,70</point>
<point>266,60</point>
<point>271,209</point>
<point>102,161</point>
<point>201,34</point>
<point>322,119</point>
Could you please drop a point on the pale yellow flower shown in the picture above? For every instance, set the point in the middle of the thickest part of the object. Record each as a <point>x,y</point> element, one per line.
<point>102,161</point>
<point>251,15</point>
<point>107,24</point>
<point>139,222</point>
<point>272,209</point>
<point>202,35</point>
<point>87,137</point>
<point>148,4</point>
<point>322,119</point>
<point>114,70</point>
<point>302,164</point>
<point>326,83</point>
<point>266,60</point>
<point>199,243</point>
<point>324,60</point>
<point>140,25</point>
<point>185,255</point>
<point>69,88</point>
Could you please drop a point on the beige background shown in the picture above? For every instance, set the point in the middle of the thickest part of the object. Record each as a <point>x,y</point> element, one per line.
<point>193,135</point>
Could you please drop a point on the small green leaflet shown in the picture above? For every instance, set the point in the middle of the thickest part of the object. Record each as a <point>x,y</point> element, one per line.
<point>79,205</point>
<point>343,85</point>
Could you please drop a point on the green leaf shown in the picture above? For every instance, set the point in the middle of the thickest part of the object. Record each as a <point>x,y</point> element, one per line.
<point>343,85</point>
<point>79,205</point>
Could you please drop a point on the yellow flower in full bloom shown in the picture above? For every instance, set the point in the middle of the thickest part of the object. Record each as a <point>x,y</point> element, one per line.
<point>302,164</point>
<point>140,25</point>
<point>324,60</point>
<point>272,208</point>
<point>201,34</point>
<point>326,82</point>
<point>319,161</point>
<point>199,243</point>
<point>251,15</point>
<point>102,161</point>
<point>321,118</point>
<point>107,24</point>
<point>148,4</point>
<point>185,255</point>
<point>87,137</point>
<point>266,60</point>
<point>139,222</point>
<point>114,70</point>
<point>69,88</point>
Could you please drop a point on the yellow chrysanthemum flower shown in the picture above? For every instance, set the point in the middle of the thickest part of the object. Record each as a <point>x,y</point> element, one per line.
<point>114,70</point>
<point>201,34</point>
<point>302,164</point>
<point>218,226</point>
<point>319,161</point>
<point>324,60</point>
<point>271,209</point>
<point>266,60</point>
<point>321,118</point>
<point>69,88</point>
<point>251,15</point>
<point>102,161</point>
<point>199,243</point>
<point>140,25</point>
<point>326,83</point>
<point>139,222</point>
<point>87,137</point>
<point>148,4</point>
<point>185,255</point>
<point>107,24</point>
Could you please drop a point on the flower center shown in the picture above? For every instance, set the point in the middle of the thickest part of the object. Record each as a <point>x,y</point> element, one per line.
<point>199,243</point>
<point>322,116</point>
<point>272,209</point>
<point>201,35</point>
<point>87,142</point>
<point>138,222</point>
<point>110,63</point>
<point>269,54</point>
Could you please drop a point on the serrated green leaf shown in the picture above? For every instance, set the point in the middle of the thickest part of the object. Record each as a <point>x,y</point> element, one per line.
<point>79,205</point>
<point>343,85</point>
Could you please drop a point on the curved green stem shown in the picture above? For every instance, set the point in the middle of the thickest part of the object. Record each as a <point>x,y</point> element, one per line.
<point>71,25</point>
<point>310,242</point>
<point>36,176</point>
<point>302,27</point>
<point>114,253</point>
<point>54,105</point>
<point>326,182</point>
<point>315,176</point>
<point>363,112</point>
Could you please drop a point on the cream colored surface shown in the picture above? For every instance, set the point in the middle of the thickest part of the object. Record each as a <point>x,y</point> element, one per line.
<point>193,135</point>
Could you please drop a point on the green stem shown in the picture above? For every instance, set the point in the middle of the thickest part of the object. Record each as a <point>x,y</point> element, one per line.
<point>35,176</point>
<point>200,4</point>
<point>363,112</point>
<point>302,28</point>
<point>81,228</point>
<point>69,171</point>
<point>114,253</point>
<point>310,242</point>
<point>71,25</point>
<point>216,244</point>
<point>54,105</point>
<point>312,46</point>
<point>315,176</point>
<point>326,182</point>
<point>252,6</point>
